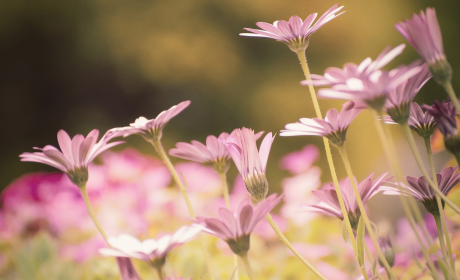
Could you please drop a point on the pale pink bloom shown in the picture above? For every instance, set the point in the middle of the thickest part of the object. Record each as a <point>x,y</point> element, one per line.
<point>421,122</point>
<point>236,228</point>
<point>76,154</point>
<point>421,190</point>
<point>329,203</point>
<point>213,152</point>
<point>300,161</point>
<point>127,270</point>
<point>176,278</point>
<point>251,163</point>
<point>424,34</point>
<point>295,32</point>
<point>337,76</point>
<point>334,126</point>
<point>151,129</point>
<point>399,99</point>
<point>149,250</point>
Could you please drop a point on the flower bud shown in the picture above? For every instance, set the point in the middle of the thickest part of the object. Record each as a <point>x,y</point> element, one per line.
<point>257,186</point>
<point>387,250</point>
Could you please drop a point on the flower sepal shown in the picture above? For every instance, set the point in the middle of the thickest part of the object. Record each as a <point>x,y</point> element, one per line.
<point>257,186</point>
<point>441,71</point>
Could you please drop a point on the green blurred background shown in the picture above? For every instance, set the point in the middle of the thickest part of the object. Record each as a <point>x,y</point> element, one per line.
<point>79,65</point>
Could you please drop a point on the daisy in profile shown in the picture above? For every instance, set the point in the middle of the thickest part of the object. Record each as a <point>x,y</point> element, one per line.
<point>296,32</point>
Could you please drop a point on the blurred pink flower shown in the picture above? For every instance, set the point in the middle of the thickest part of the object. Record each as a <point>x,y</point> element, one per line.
<point>300,161</point>
<point>151,129</point>
<point>251,163</point>
<point>176,278</point>
<point>333,127</point>
<point>213,152</point>
<point>236,228</point>
<point>295,33</point>
<point>424,34</point>
<point>127,270</point>
<point>329,204</point>
<point>76,154</point>
<point>149,250</point>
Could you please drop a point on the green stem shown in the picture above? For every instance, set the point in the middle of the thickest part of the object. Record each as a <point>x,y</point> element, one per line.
<point>306,71</point>
<point>223,176</point>
<point>452,95</point>
<point>394,164</point>
<point>161,152</point>
<point>371,260</point>
<point>293,250</point>
<point>160,272</point>
<point>366,220</point>
<point>437,219</point>
<point>432,184</point>
<point>248,266</point>
<point>438,200</point>
<point>457,157</point>
<point>84,194</point>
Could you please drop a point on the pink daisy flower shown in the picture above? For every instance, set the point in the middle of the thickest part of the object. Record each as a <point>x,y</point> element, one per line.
<point>419,121</point>
<point>399,99</point>
<point>150,250</point>
<point>424,34</point>
<point>251,163</point>
<point>236,228</point>
<point>334,126</point>
<point>76,154</point>
<point>296,32</point>
<point>151,129</point>
<point>329,203</point>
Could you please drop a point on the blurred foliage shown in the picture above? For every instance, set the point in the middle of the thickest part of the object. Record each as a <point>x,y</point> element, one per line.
<point>101,64</point>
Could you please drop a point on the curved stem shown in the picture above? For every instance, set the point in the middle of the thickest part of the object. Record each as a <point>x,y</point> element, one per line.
<point>366,220</point>
<point>293,250</point>
<point>161,152</point>
<point>452,95</point>
<point>432,184</point>
<point>438,200</point>
<point>248,267</point>
<point>306,71</point>
<point>84,194</point>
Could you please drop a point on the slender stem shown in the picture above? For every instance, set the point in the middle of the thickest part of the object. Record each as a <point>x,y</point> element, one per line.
<point>286,242</point>
<point>248,266</point>
<point>160,272</point>
<point>394,164</point>
<point>452,95</point>
<point>457,157</point>
<point>366,220</point>
<point>306,71</point>
<point>371,260</point>
<point>84,194</point>
<point>438,200</point>
<point>437,219</point>
<point>161,152</point>
<point>223,176</point>
<point>432,184</point>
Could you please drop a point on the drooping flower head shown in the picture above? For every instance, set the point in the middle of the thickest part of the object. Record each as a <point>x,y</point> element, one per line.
<point>213,152</point>
<point>150,250</point>
<point>421,190</point>
<point>251,163</point>
<point>236,228</point>
<point>444,114</point>
<point>295,33</point>
<point>152,129</point>
<point>329,202</point>
<point>400,98</point>
<point>424,34</point>
<point>334,126</point>
<point>420,122</point>
<point>75,154</point>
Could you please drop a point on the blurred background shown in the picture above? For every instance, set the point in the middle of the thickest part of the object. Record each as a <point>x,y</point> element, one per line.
<point>100,64</point>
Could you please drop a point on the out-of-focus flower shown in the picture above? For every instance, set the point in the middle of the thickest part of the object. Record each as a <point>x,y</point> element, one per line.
<point>300,161</point>
<point>236,228</point>
<point>213,152</point>
<point>420,122</point>
<point>399,99</point>
<point>444,114</point>
<point>329,203</point>
<point>334,126</point>
<point>76,154</point>
<point>295,33</point>
<point>176,278</point>
<point>421,190</point>
<point>424,34</point>
<point>127,270</point>
<point>387,250</point>
<point>251,163</point>
<point>151,129</point>
<point>150,250</point>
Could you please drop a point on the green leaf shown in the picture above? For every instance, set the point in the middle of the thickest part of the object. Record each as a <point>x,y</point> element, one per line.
<point>360,242</point>
<point>374,269</point>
